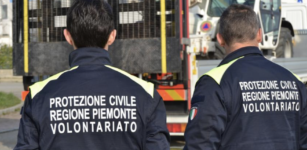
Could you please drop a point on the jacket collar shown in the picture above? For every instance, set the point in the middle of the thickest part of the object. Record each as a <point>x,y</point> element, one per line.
<point>241,52</point>
<point>89,56</point>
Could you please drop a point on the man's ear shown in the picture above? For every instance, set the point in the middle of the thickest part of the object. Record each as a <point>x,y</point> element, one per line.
<point>220,40</point>
<point>259,36</point>
<point>68,37</point>
<point>112,38</point>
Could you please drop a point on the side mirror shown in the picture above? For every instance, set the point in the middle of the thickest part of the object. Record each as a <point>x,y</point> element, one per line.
<point>201,13</point>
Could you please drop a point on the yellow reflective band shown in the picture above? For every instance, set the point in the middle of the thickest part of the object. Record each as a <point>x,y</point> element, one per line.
<point>147,86</point>
<point>297,76</point>
<point>25,36</point>
<point>163,37</point>
<point>37,87</point>
<point>218,72</point>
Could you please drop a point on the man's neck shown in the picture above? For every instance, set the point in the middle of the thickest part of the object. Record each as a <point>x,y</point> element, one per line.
<point>236,46</point>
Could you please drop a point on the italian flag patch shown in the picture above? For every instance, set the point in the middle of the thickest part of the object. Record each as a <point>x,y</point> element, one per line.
<point>193,113</point>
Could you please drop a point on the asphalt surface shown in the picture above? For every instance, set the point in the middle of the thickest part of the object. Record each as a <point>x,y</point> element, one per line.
<point>8,130</point>
<point>12,87</point>
<point>9,123</point>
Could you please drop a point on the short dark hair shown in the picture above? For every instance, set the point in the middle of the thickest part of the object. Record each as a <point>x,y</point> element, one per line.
<point>90,23</point>
<point>238,23</point>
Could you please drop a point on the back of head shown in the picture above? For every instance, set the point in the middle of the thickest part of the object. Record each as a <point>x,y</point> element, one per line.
<point>238,24</point>
<point>90,23</point>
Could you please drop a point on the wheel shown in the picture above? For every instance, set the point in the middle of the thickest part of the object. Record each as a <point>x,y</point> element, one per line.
<point>220,52</point>
<point>284,48</point>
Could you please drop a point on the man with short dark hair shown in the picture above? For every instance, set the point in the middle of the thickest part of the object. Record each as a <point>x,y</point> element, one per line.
<point>93,105</point>
<point>247,102</point>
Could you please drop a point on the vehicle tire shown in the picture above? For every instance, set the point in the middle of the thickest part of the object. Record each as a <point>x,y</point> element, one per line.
<point>27,81</point>
<point>220,52</point>
<point>284,48</point>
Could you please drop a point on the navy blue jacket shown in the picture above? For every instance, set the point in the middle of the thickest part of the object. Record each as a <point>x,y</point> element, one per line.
<point>248,103</point>
<point>93,106</point>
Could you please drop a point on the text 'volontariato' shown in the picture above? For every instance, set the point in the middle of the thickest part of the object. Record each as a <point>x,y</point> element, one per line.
<point>269,96</point>
<point>84,114</point>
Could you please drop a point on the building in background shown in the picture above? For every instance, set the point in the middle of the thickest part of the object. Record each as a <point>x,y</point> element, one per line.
<point>6,18</point>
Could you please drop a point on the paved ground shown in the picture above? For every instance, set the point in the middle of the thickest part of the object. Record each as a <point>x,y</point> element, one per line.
<point>6,140</point>
<point>9,123</point>
<point>12,87</point>
<point>8,130</point>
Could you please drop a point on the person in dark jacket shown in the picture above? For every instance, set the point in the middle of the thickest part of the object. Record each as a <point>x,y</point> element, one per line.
<point>93,105</point>
<point>247,102</point>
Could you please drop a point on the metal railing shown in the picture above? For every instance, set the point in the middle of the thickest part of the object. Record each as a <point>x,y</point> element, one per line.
<point>295,65</point>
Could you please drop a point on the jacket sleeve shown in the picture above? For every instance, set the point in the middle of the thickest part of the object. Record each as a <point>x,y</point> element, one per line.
<point>27,134</point>
<point>303,134</point>
<point>157,135</point>
<point>207,118</point>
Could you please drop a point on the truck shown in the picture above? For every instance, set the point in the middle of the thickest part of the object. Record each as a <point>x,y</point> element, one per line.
<point>204,20</point>
<point>160,41</point>
<point>295,12</point>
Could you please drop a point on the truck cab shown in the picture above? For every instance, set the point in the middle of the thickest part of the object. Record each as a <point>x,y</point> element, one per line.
<point>204,20</point>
